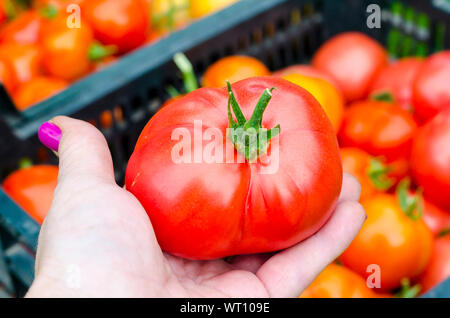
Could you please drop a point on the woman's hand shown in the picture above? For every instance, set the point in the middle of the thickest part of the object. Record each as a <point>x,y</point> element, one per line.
<point>97,240</point>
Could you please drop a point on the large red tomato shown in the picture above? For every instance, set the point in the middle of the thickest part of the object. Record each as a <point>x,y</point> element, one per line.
<point>353,60</point>
<point>435,218</point>
<point>123,23</point>
<point>431,92</point>
<point>438,269</point>
<point>430,160</point>
<point>397,80</point>
<point>237,203</point>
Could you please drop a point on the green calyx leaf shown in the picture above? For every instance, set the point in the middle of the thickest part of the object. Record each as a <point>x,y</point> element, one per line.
<point>187,71</point>
<point>250,138</point>
<point>378,174</point>
<point>25,163</point>
<point>49,12</point>
<point>408,291</point>
<point>444,232</point>
<point>384,97</point>
<point>411,204</point>
<point>98,52</point>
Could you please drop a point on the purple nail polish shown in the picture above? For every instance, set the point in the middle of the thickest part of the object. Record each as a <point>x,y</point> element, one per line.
<point>50,134</point>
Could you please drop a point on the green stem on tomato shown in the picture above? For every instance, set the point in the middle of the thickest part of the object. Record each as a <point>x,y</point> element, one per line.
<point>378,174</point>
<point>187,71</point>
<point>408,291</point>
<point>411,204</point>
<point>98,52</point>
<point>383,97</point>
<point>49,12</point>
<point>249,137</point>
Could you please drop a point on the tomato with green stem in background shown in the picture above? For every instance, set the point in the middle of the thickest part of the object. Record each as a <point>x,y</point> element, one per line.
<point>337,281</point>
<point>122,23</point>
<point>326,94</point>
<point>430,160</point>
<point>32,188</point>
<point>37,90</point>
<point>353,60</point>
<point>60,5</point>
<point>394,237</point>
<point>431,93</point>
<point>7,78</point>
<point>438,269</point>
<point>233,69</point>
<point>381,129</point>
<point>257,196</point>
<point>435,218</point>
<point>68,53</point>
<point>25,60</point>
<point>372,173</point>
<point>395,82</point>
<point>201,8</point>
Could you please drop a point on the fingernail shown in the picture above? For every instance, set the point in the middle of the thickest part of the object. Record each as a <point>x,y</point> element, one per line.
<point>50,135</point>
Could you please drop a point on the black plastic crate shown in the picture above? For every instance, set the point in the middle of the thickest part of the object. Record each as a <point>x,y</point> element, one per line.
<point>278,32</point>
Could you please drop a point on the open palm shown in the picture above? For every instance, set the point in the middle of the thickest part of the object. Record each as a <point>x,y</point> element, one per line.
<point>97,240</point>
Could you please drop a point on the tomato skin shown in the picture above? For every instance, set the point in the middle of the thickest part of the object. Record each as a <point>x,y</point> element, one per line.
<point>326,94</point>
<point>397,79</point>
<point>160,10</point>
<point>438,269</point>
<point>66,50</point>
<point>389,238</point>
<point>25,60</point>
<point>200,8</point>
<point>123,23</point>
<point>430,160</point>
<point>431,92</point>
<point>380,128</point>
<point>233,68</point>
<point>435,218</point>
<point>338,282</point>
<point>353,60</point>
<point>23,30</point>
<point>37,90</point>
<point>213,210</point>
<point>7,78</point>
<point>32,188</point>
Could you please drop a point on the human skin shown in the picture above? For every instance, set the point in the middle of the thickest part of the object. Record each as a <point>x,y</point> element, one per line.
<point>97,240</point>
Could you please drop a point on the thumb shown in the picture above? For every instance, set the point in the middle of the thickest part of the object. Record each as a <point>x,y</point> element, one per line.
<point>82,149</point>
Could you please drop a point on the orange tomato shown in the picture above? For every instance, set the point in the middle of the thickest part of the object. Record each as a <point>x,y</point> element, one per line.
<point>37,90</point>
<point>168,15</point>
<point>233,68</point>
<point>66,50</point>
<point>25,29</point>
<point>25,60</point>
<point>328,96</point>
<point>200,8</point>
<point>306,70</point>
<point>32,188</point>
<point>123,23</point>
<point>393,237</point>
<point>338,282</point>
<point>371,173</point>
<point>7,76</point>
<point>60,5</point>
<point>438,269</point>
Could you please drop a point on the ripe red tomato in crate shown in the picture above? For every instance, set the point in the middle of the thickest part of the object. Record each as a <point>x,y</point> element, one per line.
<point>352,59</point>
<point>431,92</point>
<point>430,160</point>
<point>212,210</point>
<point>396,81</point>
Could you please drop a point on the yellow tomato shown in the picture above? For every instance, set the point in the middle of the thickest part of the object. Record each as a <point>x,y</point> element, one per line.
<point>326,94</point>
<point>168,15</point>
<point>200,8</point>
